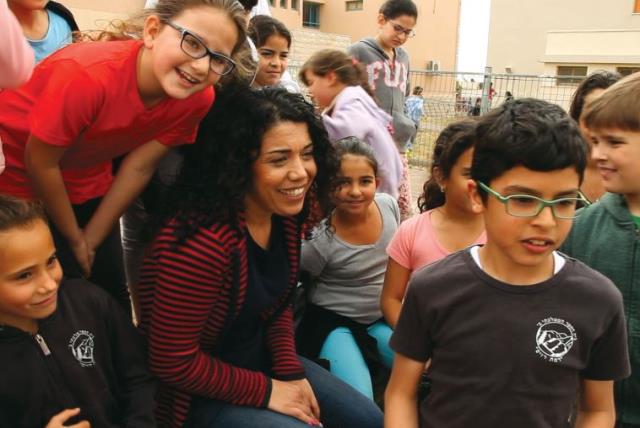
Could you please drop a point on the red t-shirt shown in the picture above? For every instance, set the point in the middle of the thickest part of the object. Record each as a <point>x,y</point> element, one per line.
<point>85,97</point>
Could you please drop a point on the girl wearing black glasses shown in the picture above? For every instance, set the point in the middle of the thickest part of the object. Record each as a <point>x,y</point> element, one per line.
<point>388,68</point>
<point>92,102</point>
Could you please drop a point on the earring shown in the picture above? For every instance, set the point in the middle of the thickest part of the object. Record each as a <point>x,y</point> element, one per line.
<point>442,189</point>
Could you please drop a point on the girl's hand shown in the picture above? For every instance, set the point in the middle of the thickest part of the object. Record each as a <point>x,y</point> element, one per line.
<point>294,399</point>
<point>58,420</point>
<point>92,244</point>
<point>83,255</point>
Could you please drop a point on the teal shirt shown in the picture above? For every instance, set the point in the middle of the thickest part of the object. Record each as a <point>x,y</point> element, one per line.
<point>607,238</point>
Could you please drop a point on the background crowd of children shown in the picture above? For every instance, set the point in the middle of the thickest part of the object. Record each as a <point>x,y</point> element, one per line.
<point>514,293</point>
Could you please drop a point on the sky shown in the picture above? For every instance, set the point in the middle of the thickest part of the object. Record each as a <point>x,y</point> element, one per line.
<point>474,35</point>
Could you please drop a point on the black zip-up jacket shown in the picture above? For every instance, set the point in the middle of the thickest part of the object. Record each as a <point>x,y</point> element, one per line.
<point>87,354</point>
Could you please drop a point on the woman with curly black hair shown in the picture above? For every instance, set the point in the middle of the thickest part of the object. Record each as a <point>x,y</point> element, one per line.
<point>217,282</point>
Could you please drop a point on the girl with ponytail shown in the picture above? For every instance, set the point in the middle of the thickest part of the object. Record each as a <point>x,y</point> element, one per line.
<point>445,224</point>
<point>339,85</point>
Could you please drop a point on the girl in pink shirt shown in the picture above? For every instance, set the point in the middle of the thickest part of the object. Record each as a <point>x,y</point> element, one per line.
<point>446,223</point>
<point>16,56</point>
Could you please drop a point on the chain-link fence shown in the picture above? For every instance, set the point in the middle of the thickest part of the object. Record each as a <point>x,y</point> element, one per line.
<point>450,96</point>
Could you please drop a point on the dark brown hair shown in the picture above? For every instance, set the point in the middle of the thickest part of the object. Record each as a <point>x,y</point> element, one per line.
<point>16,213</point>
<point>452,142</point>
<point>392,9</point>
<point>596,80</point>
<point>261,27</point>
<point>356,147</point>
<point>347,69</point>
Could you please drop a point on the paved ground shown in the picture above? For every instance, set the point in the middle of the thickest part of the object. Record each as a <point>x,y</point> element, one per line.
<point>417,177</point>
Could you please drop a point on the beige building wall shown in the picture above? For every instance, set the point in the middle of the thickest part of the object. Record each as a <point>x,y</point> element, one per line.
<point>94,14</point>
<point>536,36</point>
<point>436,31</point>
<point>306,42</point>
<point>290,17</point>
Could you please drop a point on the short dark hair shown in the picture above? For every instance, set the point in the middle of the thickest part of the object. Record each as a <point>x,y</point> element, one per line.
<point>17,213</point>
<point>248,4</point>
<point>526,132</point>
<point>261,27</point>
<point>392,9</point>
<point>601,79</point>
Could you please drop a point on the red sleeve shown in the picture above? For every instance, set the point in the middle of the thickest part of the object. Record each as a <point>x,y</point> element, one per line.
<point>67,105</point>
<point>189,285</point>
<point>187,125</point>
<point>281,343</point>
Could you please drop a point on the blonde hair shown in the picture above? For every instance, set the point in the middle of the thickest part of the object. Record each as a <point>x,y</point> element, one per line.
<point>347,69</point>
<point>166,10</point>
<point>618,107</point>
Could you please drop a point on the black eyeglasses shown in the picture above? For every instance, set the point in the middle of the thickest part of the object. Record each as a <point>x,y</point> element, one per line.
<point>399,29</point>
<point>193,46</point>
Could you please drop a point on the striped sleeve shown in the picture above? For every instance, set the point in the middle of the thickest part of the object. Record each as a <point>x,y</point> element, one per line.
<point>191,299</point>
<point>280,339</point>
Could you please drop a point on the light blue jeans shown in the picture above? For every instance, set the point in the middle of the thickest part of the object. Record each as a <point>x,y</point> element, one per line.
<point>347,362</point>
<point>340,406</point>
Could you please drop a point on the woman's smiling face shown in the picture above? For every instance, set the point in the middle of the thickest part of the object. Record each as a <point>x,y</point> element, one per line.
<point>283,172</point>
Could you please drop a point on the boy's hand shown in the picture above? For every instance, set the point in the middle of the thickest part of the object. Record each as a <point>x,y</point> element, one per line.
<point>58,420</point>
<point>290,399</point>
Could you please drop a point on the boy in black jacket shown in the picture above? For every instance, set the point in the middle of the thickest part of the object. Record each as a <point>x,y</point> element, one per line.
<point>68,353</point>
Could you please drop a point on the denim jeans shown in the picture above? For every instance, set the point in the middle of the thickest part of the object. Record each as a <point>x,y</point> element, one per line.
<point>340,406</point>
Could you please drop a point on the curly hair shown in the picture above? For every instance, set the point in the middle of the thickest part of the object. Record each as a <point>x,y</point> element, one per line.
<point>348,146</point>
<point>452,142</point>
<point>216,174</point>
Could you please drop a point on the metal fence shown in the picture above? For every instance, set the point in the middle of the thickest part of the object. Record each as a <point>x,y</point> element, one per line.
<point>450,96</point>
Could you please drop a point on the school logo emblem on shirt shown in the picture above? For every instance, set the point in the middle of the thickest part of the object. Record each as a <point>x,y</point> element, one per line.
<point>554,339</point>
<point>81,346</point>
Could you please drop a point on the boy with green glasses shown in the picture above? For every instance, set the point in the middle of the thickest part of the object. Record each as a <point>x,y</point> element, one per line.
<point>513,328</point>
<point>607,235</point>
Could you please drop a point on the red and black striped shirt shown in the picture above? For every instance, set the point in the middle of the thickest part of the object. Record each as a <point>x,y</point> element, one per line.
<point>187,290</point>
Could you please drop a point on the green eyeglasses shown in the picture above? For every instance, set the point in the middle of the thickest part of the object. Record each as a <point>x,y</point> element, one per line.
<point>531,206</point>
